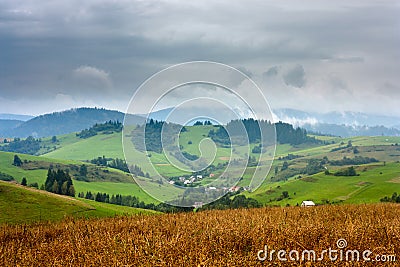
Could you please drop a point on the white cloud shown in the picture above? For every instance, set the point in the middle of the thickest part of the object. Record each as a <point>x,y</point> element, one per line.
<point>93,77</point>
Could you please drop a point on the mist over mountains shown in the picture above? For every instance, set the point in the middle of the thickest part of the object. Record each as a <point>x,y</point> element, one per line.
<point>343,124</point>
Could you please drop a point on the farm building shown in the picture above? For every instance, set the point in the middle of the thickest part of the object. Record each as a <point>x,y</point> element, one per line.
<point>307,203</point>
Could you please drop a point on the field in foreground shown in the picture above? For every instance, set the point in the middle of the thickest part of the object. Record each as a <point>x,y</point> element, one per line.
<point>213,238</point>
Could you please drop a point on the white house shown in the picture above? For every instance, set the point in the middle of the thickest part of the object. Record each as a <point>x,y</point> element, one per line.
<point>198,205</point>
<point>307,203</point>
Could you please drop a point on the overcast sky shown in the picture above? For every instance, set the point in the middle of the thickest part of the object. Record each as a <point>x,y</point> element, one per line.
<point>309,55</point>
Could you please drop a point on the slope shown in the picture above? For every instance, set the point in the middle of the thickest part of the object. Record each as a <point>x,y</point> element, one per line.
<point>31,205</point>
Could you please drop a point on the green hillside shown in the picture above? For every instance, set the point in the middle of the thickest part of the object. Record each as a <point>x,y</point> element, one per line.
<point>369,186</point>
<point>31,205</point>
<point>374,182</point>
<point>38,175</point>
<point>72,147</point>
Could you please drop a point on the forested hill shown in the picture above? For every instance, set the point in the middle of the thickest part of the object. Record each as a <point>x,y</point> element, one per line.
<point>285,133</point>
<point>68,121</point>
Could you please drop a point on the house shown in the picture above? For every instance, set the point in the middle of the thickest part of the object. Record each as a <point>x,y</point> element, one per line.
<point>199,176</point>
<point>234,189</point>
<point>212,175</point>
<point>198,205</point>
<point>307,203</point>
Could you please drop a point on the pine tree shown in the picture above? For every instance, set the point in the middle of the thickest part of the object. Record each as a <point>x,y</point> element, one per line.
<point>24,182</point>
<point>48,185</point>
<point>71,191</point>
<point>17,161</point>
<point>54,188</point>
<point>64,188</point>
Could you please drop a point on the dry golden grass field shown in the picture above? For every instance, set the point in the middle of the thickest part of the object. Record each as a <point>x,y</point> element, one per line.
<point>212,238</point>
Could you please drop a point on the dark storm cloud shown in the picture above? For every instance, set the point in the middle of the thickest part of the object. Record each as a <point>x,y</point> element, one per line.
<point>271,72</point>
<point>74,49</point>
<point>295,77</point>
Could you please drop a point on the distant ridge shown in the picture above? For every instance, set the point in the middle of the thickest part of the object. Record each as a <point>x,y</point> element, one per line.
<point>18,117</point>
<point>64,122</point>
<point>6,124</point>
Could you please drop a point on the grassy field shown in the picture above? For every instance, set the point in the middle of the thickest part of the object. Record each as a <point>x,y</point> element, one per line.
<point>39,176</point>
<point>373,183</point>
<point>72,147</point>
<point>212,238</point>
<point>370,186</point>
<point>31,205</point>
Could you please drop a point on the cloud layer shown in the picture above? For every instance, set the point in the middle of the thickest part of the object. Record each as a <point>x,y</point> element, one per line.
<point>317,56</point>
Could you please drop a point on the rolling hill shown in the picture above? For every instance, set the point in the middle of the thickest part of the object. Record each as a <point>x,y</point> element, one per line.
<point>64,122</point>
<point>35,171</point>
<point>369,186</point>
<point>31,205</point>
<point>7,124</point>
<point>375,181</point>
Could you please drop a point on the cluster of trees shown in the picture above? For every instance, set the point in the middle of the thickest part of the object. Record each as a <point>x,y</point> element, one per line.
<point>24,182</point>
<point>29,145</point>
<point>59,182</point>
<point>130,201</point>
<point>119,164</point>
<point>357,160</point>
<point>199,123</point>
<point>152,137</point>
<point>350,171</point>
<point>220,136</point>
<point>285,133</point>
<point>252,161</point>
<point>17,161</point>
<point>108,127</point>
<point>257,149</point>
<point>136,170</point>
<point>6,177</point>
<point>226,202</point>
<point>285,194</point>
<point>184,156</point>
<point>395,198</point>
<point>348,146</point>
<point>290,157</point>
<point>313,166</point>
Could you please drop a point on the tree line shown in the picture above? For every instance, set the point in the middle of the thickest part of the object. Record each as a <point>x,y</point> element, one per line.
<point>131,201</point>
<point>59,182</point>
<point>108,127</point>
<point>30,145</point>
<point>255,129</point>
<point>395,198</point>
<point>119,164</point>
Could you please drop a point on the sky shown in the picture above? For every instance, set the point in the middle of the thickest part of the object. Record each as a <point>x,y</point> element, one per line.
<point>316,56</point>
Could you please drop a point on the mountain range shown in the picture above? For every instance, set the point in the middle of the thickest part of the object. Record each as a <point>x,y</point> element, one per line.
<point>343,124</point>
